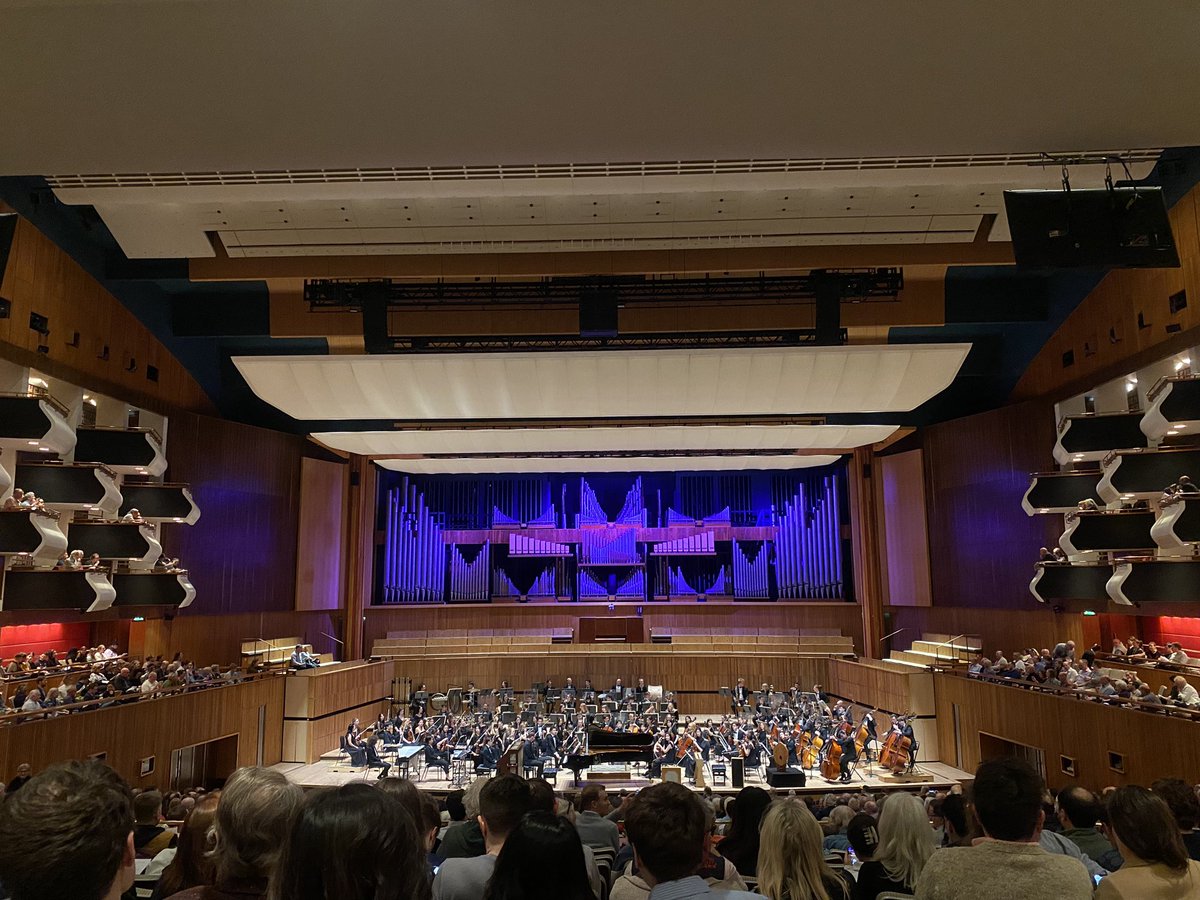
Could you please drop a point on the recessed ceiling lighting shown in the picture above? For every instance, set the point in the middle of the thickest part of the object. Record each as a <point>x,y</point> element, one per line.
<point>33,443</point>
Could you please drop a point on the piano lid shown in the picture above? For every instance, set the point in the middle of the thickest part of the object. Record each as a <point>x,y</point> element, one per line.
<point>599,739</point>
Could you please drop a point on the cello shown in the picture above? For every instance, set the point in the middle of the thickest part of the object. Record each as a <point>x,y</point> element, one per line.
<point>831,762</point>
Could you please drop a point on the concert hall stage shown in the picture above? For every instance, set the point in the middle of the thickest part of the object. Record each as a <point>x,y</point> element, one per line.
<point>940,777</point>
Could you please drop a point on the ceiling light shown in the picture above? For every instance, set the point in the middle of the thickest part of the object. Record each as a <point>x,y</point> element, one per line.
<point>33,443</point>
<point>1172,431</point>
<point>1043,509</point>
<point>1129,387</point>
<point>38,382</point>
<point>1132,379</point>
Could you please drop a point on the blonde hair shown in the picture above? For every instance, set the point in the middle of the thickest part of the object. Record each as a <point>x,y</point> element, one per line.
<point>905,839</point>
<point>791,860</point>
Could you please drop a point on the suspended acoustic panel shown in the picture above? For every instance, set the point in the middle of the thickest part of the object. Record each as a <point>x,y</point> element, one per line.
<point>601,464</point>
<point>626,438</point>
<point>1124,530</point>
<point>1089,438</point>
<point>629,383</point>
<point>1060,492</point>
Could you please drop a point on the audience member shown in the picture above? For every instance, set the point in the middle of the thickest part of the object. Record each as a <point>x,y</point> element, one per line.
<point>1078,812</point>
<point>740,845</point>
<point>791,861</point>
<point>502,802</point>
<point>666,825</point>
<point>1184,804</point>
<point>24,774</point>
<point>150,836</point>
<point>594,829</point>
<point>351,843</point>
<point>253,819</point>
<point>1008,862</point>
<point>465,840</point>
<point>839,821</point>
<point>190,863</point>
<point>1156,862</point>
<point>905,845</point>
<point>68,834</point>
<point>957,825</point>
<point>542,859</point>
<point>863,835</point>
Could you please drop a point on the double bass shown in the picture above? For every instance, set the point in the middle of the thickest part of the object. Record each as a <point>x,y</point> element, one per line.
<point>896,752</point>
<point>831,762</point>
<point>810,749</point>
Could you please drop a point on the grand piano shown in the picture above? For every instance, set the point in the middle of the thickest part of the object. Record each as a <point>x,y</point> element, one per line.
<point>604,747</point>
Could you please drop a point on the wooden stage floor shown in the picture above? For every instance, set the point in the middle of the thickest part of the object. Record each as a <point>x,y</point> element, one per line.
<point>940,776</point>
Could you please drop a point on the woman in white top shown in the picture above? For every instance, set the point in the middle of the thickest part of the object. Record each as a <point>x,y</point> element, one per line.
<point>1156,861</point>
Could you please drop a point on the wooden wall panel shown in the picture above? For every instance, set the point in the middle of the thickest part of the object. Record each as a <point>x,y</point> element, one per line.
<point>241,555</point>
<point>320,548</point>
<point>218,639</point>
<point>319,704</point>
<point>982,545</point>
<point>1153,746</point>
<point>130,733</point>
<point>905,529</point>
<point>41,278</point>
<point>843,618</point>
<point>1115,303</point>
<point>999,629</point>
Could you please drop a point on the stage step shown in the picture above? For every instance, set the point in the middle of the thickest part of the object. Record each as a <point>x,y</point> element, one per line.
<point>915,657</point>
<point>970,641</point>
<point>943,651</point>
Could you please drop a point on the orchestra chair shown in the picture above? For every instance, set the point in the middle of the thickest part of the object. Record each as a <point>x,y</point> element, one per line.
<point>355,759</point>
<point>604,863</point>
<point>719,771</point>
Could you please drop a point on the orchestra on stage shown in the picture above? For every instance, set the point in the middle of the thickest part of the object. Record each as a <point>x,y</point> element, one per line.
<point>546,728</point>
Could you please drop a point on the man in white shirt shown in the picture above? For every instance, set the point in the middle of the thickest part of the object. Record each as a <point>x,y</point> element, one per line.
<point>502,803</point>
<point>1183,693</point>
<point>150,685</point>
<point>1176,655</point>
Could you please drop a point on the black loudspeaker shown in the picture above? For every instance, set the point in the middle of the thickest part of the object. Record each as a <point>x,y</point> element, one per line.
<point>598,313</point>
<point>785,778</point>
<point>738,766</point>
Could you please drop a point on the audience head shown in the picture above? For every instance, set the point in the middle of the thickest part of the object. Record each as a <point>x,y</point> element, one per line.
<point>1144,828</point>
<point>1078,807</point>
<point>542,859</point>
<point>1181,799</point>
<point>193,863</point>
<point>594,798</point>
<point>541,795</point>
<point>666,826</point>
<point>147,808</point>
<point>954,818</point>
<point>471,797</point>
<point>791,860</point>
<point>1007,796</point>
<point>839,818</point>
<point>905,839</point>
<point>454,806</point>
<point>256,810</point>
<point>351,843</point>
<point>502,802</point>
<point>863,835</point>
<point>746,812</point>
<point>68,833</point>
<point>407,794</point>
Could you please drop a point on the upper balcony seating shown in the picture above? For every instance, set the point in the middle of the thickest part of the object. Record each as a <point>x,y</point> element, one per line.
<point>1057,583</point>
<point>1092,436</point>
<point>1174,406</point>
<point>31,589</point>
<point>72,486</point>
<point>35,421</point>
<point>153,589</point>
<point>1060,492</point>
<point>34,534</point>
<point>1176,531</point>
<point>1142,474</point>
<point>130,451</point>
<point>160,502</point>
<point>128,542</point>
<point>1148,580</point>
<point>1111,531</point>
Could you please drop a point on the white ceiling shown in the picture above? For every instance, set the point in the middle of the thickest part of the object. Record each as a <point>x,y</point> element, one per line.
<point>617,464</point>
<point>623,439</point>
<point>605,384</point>
<point>104,86</point>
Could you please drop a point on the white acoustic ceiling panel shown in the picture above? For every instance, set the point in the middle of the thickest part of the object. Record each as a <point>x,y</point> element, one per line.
<point>489,465</point>
<point>630,438</point>
<point>602,384</point>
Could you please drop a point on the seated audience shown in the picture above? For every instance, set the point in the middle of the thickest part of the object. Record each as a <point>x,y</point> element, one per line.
<point>666,825</point>
<point>905,845</point>
<point>863,835</point>
<point>1078,811</point>
<point>134,515</point>
<point>594,829</point>
<point>1156,861</point>
<point>1182,693</point>
<point>502,802</point>
<point>23,776</point>
<point>718,873</point>
<point>351,843</point>
<point>254,816</point>
<point>1008,862</point>
<point>791,861</point>
<point>1175,654</point>
<point>68,834</point>
<point>190,864</point>
<point>542,859</point>
<point>302,659</point>
<point>956,823</point>
<point>465,840</point>
<point>839,821</point>
<point>740,845</point>
<point>1184,804</point>
<point>150,835</point>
